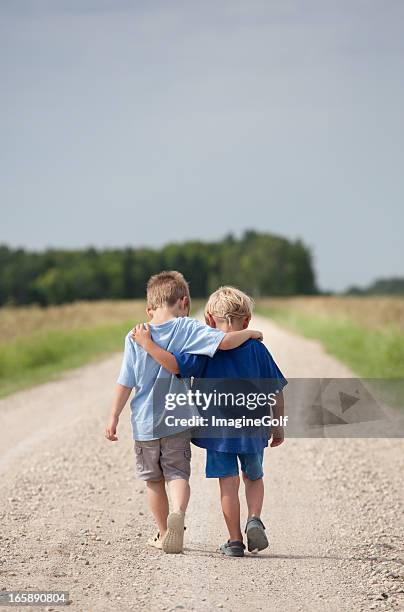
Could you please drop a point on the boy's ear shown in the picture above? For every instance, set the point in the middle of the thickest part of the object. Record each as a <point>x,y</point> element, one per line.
<point>246,322</point>
<point>210,320</point>
<point>186,304</point>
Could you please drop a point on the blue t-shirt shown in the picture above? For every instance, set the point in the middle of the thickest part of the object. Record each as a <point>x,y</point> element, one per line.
<point>139,370</point>
<point>251,360</point>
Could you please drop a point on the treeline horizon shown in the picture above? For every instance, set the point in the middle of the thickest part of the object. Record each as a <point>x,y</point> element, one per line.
<point>381,286</point>
<point>261,264</point>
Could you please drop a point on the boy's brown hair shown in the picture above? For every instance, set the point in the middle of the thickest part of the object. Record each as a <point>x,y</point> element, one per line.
<point>228,303</point>
<point>165,289</point>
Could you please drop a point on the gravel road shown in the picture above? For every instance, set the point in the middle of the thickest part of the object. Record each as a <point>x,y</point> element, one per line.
<point>73,517</point>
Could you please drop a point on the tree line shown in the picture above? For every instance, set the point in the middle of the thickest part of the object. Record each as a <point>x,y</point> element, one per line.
<point>381,286</point>
<point>258,263</point>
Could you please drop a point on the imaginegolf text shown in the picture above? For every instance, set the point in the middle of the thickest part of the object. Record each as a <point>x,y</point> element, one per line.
<point>238,423</point>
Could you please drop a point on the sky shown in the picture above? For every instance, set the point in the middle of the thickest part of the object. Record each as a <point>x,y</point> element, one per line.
<point>141,123</point>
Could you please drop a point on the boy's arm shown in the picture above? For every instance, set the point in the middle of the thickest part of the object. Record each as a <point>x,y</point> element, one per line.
<point>141,334</point>
<point>271,373</point>
<point>277,433</point>
<point>234,339</point>
<point>121,397</point>
<point>183,364</point>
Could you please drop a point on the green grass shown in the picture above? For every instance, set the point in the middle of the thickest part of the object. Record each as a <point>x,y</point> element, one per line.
<point>370,353</point>
<point>42,356</point>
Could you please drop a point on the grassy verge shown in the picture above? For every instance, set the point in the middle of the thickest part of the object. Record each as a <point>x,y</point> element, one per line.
<point>369,352</point>
<point>38,344</point>
<point>44,355</point>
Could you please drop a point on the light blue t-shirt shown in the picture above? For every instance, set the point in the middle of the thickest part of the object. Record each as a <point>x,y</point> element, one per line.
<point>139,370</point>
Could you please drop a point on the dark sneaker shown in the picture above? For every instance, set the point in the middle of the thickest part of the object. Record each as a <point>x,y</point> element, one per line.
<point>233,548</point>
<point>256,536</point>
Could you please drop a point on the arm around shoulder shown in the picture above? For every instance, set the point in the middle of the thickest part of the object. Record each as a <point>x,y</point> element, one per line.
<point>141,334</point>
<point>234,339</point>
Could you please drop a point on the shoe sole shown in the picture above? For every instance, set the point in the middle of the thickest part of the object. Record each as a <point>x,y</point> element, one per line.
<point>232,554</point>
<point>173,541</point>
<point>256,540</point>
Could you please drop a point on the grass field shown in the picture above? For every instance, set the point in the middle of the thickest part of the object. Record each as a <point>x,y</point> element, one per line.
<point>38,343</point>
<point>366,333</point>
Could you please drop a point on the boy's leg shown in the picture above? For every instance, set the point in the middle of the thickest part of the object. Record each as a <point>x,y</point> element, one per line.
<point>175,463</point>
<point>251,465</point>
<point>231,506</point>
<point>179,492</point>
<point>158,503</point>
<point>224,466</point>
<point>148,468</point>
<point>254,493</point>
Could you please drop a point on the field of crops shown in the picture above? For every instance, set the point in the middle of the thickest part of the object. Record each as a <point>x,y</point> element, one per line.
<point>27,320</point>
<point>38,343</point>
<point>366,333</point>
<point>372,312</point>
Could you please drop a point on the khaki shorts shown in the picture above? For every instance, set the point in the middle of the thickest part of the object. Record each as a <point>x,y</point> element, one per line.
<point>168,458</point>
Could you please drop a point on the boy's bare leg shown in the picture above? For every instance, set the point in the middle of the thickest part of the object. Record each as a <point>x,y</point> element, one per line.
<point>158,503</point>
<point>179,492</point>
<point>231,505</point>
<point>173,540</point>
<point>254,492</point>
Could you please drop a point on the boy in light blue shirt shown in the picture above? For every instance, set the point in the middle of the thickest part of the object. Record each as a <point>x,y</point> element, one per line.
<point>167,459</point>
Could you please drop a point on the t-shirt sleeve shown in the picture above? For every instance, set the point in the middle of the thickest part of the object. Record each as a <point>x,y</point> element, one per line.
<point>127,374</point>
<point>202,340</point>
<point>190,365</point>
<point>272,371</point>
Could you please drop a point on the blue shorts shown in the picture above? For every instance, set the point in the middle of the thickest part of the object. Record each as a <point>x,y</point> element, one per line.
<point>223,465</point>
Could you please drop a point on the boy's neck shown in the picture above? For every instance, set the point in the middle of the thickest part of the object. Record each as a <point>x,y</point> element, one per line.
<point>236,325</point>
<point>163,314</point>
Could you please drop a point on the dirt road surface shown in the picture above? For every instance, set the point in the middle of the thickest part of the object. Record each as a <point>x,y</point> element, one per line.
<point>73,517</point>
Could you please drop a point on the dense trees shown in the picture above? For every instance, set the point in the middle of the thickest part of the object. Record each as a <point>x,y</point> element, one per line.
<point>261,264</point>
<point>381,286</point>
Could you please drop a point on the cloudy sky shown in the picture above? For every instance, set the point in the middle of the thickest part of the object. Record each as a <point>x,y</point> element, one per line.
<point>137,123</point>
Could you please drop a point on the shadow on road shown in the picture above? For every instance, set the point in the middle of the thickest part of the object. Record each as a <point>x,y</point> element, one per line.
<point>199,552</point>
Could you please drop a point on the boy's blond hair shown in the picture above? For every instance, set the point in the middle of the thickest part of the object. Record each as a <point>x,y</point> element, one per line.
<point>228,303</point>
<point>165,289</point>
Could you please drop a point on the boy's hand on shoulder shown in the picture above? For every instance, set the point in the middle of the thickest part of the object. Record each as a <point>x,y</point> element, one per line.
<point>278,436</point>
<point>257,335</point>
<point>110,430</point>
<point>141,334</point>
